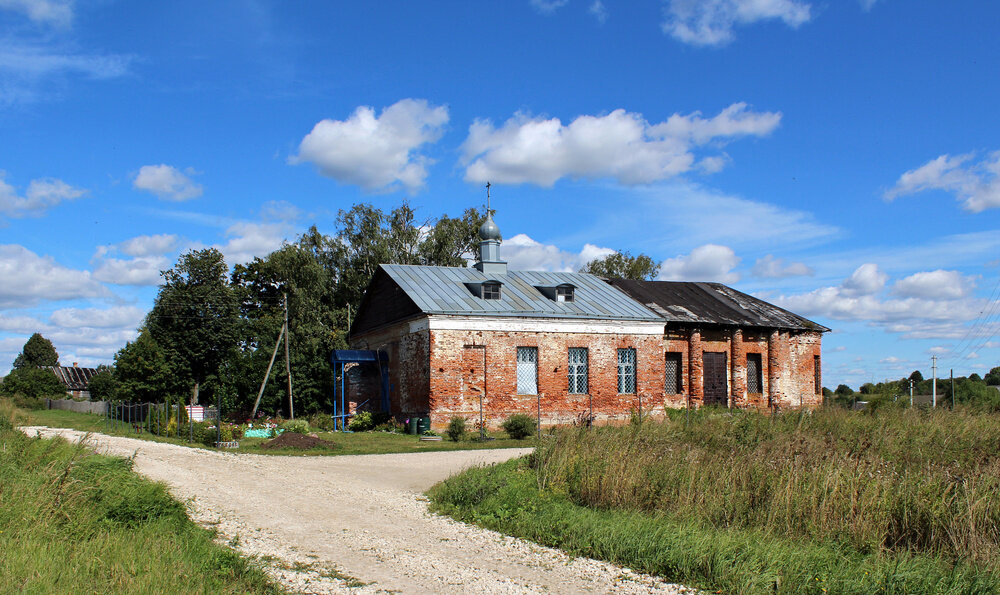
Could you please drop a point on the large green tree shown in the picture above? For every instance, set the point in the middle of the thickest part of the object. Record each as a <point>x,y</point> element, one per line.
<point>195,317</point>
<point>992,377</point>
<point>36,353</point>
<point>622,265</point>
<point>142,373</point>
<point>452,240</point>
<point>32,383</point>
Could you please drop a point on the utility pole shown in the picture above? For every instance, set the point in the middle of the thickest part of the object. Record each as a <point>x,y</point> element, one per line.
<point>934,383</point>
<point>952,389</point>
<point>288,361</point>
<point>911,393</point>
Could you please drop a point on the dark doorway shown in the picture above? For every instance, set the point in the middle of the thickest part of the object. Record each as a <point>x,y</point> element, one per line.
<point>716,386</point>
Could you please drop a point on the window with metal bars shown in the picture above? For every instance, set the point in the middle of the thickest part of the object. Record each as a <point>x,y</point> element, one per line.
<point>491,291</point>
<point>577,370</point>
<point>527,370</point>
<point>816,375</point>
<point>755,378</point>
<point>674,374</point>
<point>626,371</point>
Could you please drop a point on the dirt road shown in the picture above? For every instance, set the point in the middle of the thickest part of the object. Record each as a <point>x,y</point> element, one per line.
<point>359,524</point>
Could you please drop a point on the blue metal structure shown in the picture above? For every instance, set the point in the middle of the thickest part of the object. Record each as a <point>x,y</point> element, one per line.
<point>339,358</point>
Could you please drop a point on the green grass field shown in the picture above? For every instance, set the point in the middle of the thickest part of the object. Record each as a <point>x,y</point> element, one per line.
<point>346,443</point>
<point>836,501</point>
<point>75,522</point>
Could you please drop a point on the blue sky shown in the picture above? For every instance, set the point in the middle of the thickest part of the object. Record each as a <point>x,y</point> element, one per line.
<point>838,158</point>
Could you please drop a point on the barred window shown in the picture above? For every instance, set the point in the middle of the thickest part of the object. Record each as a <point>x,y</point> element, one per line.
<point>817,377</point>
<point>527,370</point>
<point>491,291</point>
<point>577,370</point>
<point>755,380</point>
<point>626,371</point>
<point>674,374</point>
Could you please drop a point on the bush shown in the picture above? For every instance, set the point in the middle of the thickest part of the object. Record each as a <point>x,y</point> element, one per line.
<point>102,386</point>
<point>321,421</point>
<point>456,428</point>
<point>296,426</point>
<point>389,425</point>
<point>362,422</point>
<point>519,426</point>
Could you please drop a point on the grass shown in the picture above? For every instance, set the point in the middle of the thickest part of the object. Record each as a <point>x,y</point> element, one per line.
<point>75,522</point>
<point>346,443</point>
<point>895,502</point>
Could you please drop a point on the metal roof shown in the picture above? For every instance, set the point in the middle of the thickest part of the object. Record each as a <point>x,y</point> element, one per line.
<point>443,290</point>
<point>712,303</point>
<point>73,377</point>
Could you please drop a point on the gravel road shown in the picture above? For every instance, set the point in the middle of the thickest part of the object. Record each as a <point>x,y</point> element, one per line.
<point>359,524</point>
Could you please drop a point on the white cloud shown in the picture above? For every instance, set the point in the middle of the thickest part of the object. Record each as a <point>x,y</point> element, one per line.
<point>21,324</point>
<point>248,240</point>
<point>935,285</point>
<point>548,6</point>
<point>31,62</point>
<point>167,182</point>
<point>976,185</point>
<point>525,254</point>
<point>41,194</point>
<point>619,145</point>
<point>373,152</point>
<point>867,5</point>
<point>867,279</point>
<point>52,12</point>
<point>770,267</point>
<point>115,317</point>
<point>26,279</point>
<point>149,245</point>
<point>599,11</point>
<point>711,22</point>
<point>710,262</point>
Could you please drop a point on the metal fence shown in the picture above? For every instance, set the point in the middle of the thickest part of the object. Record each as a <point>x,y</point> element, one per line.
<point>154,418</point>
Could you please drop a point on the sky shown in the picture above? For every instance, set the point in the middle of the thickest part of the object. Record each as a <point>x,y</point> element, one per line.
<point>839,158</point>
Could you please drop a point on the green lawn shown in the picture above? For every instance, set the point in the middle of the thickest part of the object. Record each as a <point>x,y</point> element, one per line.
<point>346,443</point>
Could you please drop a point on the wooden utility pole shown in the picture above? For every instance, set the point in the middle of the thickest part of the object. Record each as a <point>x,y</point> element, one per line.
<point>267,374</point>
<point>288,362</point>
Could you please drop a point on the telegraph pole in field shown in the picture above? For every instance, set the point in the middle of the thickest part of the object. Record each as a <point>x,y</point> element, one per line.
<point>934,383</point>
<point>288,361</point>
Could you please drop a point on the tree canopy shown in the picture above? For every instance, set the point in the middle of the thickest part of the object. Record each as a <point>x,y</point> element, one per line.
<point>622,265</point>
<point>36,353</point>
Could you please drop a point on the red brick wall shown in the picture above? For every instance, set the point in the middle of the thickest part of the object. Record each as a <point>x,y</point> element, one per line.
<point>409,373</point>
<point>458,373</point>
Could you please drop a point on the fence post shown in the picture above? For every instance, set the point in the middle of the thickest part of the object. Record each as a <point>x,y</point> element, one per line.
<point>539,416</point>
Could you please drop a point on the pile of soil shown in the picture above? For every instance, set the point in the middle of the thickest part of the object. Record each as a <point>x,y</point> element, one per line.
<point>299,441</point>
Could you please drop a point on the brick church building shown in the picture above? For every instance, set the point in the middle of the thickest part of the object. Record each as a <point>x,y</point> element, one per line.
<point>573,345</point>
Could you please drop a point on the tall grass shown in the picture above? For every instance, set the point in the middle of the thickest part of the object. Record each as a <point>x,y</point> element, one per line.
<point>833,501</point>
<point>891,481</point>
<point>75,522</point>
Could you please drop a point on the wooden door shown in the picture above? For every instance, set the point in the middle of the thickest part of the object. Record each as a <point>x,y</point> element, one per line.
<point>716,385</point>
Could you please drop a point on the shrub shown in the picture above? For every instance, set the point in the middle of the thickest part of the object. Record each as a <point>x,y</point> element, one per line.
<point>389,425</point>
<point>519,426</point>
<point>362,422</point>
<point>103,386</point>
<point>321,421</point>
<point>32,383</point>
<point>172,428</point>
<point>456,428</point>
<point>296,426</point>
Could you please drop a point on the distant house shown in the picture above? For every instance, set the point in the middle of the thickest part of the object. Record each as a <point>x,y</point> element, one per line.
<point>75,379</point>
<point>566,345</point>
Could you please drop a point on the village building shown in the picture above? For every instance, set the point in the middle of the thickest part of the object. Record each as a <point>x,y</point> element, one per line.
<point>75,379</point>
<point>485,340</point>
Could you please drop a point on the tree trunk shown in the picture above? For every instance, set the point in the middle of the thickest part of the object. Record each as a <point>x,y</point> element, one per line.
<point>194,394</point>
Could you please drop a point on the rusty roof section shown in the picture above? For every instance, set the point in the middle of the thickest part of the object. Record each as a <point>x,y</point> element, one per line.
<point>73,377</point>
<point>711,303</point>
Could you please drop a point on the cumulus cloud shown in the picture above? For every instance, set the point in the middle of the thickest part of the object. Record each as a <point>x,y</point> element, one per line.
<point>867,279</point>
<point>770,267</point>
<point>51,12</point>
<point>167,182</point>
<point>710,262</point>
<point>712,22</point>
<point>114,317</point>
<point>619,145</point>
<point>935,285</point>
<point>27,278</point>
<point>248,240</point>
<point>40,196</point>
<point>376,152</point>
<point>21,324</point>
<point>148,258</point>
<point>975,184</point>
<point>525,254</point>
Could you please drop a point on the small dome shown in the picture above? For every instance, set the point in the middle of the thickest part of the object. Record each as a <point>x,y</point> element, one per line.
<point>489,230</point>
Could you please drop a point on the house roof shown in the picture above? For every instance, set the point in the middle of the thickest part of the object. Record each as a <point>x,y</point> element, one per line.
<point>73,377</point>
<point>711,303</point>
<point>445,290</point>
